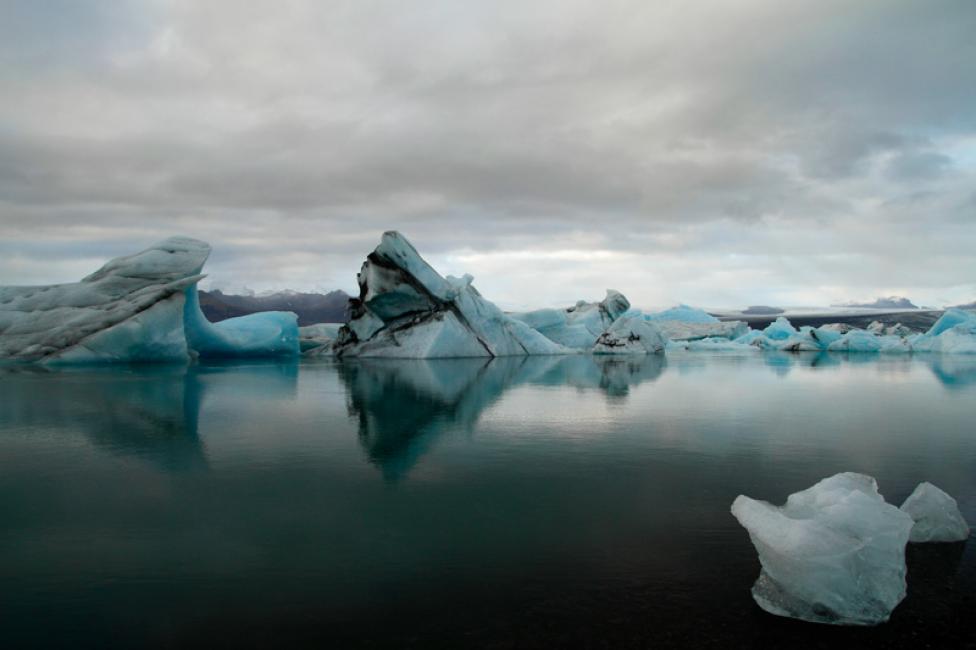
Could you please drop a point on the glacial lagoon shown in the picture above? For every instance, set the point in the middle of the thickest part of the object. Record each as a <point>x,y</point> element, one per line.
<point>535,502</point>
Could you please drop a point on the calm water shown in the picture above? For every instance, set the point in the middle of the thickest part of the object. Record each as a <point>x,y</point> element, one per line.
<point>545,502</point>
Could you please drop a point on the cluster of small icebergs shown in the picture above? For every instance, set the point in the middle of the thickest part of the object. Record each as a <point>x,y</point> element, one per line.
<point>144,307</point>
<point>953,333</point>
<point>835,552</point>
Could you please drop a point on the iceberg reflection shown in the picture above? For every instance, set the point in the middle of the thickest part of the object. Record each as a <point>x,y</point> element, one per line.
<point>403,406</point>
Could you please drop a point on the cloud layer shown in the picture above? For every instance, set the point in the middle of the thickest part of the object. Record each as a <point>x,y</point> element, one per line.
<point>716,153</point>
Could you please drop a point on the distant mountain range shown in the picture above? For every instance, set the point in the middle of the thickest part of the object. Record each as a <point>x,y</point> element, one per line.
<point>891,302</point>
<point>971,305</point>
<point>312,308</point>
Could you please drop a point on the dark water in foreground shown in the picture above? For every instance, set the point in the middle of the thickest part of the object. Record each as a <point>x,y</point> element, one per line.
<point>550,502</point>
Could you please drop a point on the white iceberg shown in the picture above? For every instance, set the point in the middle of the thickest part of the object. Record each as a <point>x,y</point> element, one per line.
<point>628,335</point>
<point>936,516</point>
<point>406,310</point>
<point>835,553</point>
<point>137,308</point>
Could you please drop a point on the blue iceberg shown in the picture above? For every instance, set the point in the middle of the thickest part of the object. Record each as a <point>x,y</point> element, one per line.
<point>137,308</point>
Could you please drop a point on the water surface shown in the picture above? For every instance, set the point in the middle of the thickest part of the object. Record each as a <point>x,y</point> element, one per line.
<point>539,502</point>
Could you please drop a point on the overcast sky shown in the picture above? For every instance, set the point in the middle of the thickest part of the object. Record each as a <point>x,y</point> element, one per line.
<point>720,154</point>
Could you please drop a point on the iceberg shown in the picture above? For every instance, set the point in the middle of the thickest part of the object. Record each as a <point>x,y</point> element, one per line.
<point>779,330</point>
<point>688,331</point>
<point>317,340</point>
<point>628,335</point>
<point>711,345</point>
<point>856,341</point>
<point>264,334</point>
<point>685,323</point>
<point>579,326</point>
<point>936,516</point>
<point>136,308</point>
<point>953,333</point>
<point>405,309</point>
<point>834,553</point>
<point>682,313</point>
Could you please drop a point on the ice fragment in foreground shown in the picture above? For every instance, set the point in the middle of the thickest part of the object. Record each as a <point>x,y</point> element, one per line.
<point>835,553</point>
<point>936,516</point>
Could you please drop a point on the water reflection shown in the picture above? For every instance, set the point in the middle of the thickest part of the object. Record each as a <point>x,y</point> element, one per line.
<point>147,412</point>
<point>402,406</point>
<point>954,371</point>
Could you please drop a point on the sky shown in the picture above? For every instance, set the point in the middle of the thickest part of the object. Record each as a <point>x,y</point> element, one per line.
<point>720,154</point>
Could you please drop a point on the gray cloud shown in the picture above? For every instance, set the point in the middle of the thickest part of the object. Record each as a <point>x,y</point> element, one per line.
<point>707,152</point>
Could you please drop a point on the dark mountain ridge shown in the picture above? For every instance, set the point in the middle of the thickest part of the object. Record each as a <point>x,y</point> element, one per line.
<point>312,308</point>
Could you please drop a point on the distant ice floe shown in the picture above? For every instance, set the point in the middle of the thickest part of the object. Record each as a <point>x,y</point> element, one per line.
<point>137,308</point>
<point>835,552</point>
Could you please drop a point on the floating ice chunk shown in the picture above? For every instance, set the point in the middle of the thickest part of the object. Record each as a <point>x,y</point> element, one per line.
<point>826,334</point>
<point>577,327</point>
<point>749,338</point>
<point>713,345</point>
<point>682,313</point>
<point>264,334</point>
<point>806,339</point>
<point>953,318</point>
<point>856,341</point>
<point>879,328</point>
<point>686,331</point>
<point>834,553</point>
<point>779,330</point>
<point>629,335</point>
<point>317,339</point>
<point>894,344</point>
<point>936,516</point>
<point>953,333</point>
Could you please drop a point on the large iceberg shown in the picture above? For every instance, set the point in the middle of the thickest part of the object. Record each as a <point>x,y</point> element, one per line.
<point>137,308</point>
<point>936,516</point>
<point>405,309</point>
<point>835,553</point>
